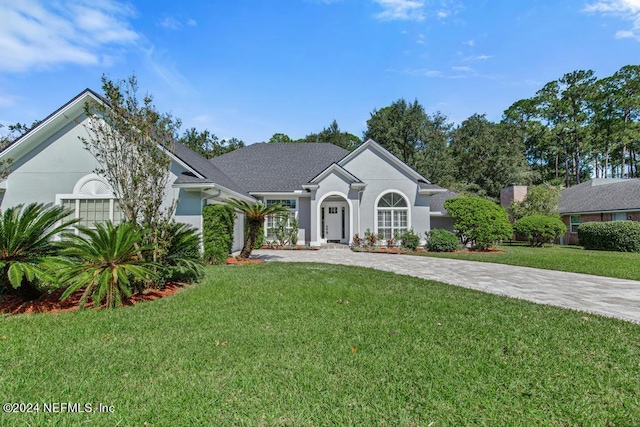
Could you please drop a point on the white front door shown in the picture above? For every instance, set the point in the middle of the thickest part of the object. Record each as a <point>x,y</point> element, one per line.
<point>335,221</point>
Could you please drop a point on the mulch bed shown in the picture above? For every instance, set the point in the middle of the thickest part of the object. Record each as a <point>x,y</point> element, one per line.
<point>474,251</point>
<point>50,303</point>
<point>233,261</point>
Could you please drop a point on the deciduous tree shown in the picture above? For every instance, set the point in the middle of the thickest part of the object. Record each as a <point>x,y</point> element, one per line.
<point>130,139</point>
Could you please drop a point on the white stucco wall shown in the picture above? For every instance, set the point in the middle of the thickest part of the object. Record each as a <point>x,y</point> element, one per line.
<point>382,176</point>
<point>55,165</point>
<point>52,168</point>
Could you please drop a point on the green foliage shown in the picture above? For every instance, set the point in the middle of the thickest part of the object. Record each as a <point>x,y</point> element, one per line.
<point>335,136</point>
<point>123,131</point>
<point>280,138</point>
<point>218,223</point>
<point>28,255</point>
<point>420,140</point>
<point>622,236</point>
<point>540,200</point>
<point>371,238</point>
<point>180,259</point>
<point>540,229</point>
<point>207,144</point>
<point>255,214</point>
<point>286,230</point>
<point>478,221</point>
<point>105,261</point>
<point>440,240</point>
<point>409,240</point>
<point>229,337</point>
<point>488,156</point>
<point>577,125</point>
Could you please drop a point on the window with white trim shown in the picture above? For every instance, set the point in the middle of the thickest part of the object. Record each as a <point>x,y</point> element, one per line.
<point>93,211</point>
<point>92,202</point>
<point>392,212</point>
<point>271,222</point>
<point>574,221</point>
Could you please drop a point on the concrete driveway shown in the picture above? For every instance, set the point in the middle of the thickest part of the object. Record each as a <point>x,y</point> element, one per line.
<point>602,295</point>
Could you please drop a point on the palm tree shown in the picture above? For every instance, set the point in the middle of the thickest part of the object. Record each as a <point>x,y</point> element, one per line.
<point>106,260</point>
<point>28,253</point>
<point>255,214</point>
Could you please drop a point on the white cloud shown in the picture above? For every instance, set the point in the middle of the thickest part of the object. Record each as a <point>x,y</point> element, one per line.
<point>171,23</point>
<point>628,10</point>
<point>39,34</point>
<point>402,10</point>
<point>470,43</point>
<point>479,58</point>
<point>168,71</point>
<point>464,69</point>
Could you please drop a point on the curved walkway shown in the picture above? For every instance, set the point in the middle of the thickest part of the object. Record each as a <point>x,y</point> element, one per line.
<point>602,295</point>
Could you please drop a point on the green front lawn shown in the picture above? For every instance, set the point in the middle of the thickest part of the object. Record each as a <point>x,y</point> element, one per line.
<point>623,265</point>
<point>315,344</point>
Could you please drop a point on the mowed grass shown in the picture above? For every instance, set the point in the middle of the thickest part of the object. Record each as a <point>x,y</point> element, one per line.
<point>315,344</point>
<point>623,265</point>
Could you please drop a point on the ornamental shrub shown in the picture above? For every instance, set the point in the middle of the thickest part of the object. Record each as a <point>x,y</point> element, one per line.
<point>479,221</point>
<point>409,240</point>
<point>217,224</point>
<point>442,241</point>
<point>540,229</point>
<point>622,236</point>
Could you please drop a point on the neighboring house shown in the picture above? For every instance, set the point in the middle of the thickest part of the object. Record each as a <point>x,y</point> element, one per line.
<point>333,193</point>
<point>597,200</point>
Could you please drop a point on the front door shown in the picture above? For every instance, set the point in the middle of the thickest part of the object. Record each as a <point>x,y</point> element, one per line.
<point>335,222</point>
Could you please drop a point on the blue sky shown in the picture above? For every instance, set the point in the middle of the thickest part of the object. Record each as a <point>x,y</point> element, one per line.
<point>249,68</point>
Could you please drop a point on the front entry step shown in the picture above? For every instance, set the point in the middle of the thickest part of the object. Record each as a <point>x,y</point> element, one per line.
<point>334,246</point>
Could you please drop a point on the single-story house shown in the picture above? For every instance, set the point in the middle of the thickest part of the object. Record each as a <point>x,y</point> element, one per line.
<point>333,193</point>
<point>597,200</point>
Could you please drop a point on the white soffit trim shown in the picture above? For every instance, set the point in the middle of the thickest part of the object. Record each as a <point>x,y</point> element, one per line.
<point>47,127</point>
<point>334,167</point>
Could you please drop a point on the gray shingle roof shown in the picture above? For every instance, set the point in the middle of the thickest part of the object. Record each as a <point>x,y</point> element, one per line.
<point>601,194</point>
<point>436,202</point>
<point>272,167</point>
<point>205,168</point>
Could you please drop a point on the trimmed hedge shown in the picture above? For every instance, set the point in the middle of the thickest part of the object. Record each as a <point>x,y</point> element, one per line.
<point>442,241</point>
<point>540,229</point>
<point>479,221</point>
<point>217,224</point>
<point>621,236</point>
<point>409,240</point>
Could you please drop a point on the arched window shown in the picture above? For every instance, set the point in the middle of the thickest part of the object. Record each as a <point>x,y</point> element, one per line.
<point>92,202</point>
<point>392,212</point>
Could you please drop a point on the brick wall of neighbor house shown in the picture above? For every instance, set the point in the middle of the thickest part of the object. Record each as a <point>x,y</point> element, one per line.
<point>512,193</point>
<point>572,238</point>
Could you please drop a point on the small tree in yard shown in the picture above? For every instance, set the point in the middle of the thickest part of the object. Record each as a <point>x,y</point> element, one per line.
<point>130,139</point>
<point>540,229</point>
<point>255,214</point>
<point>540,200</point>
<point>478,221</point>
